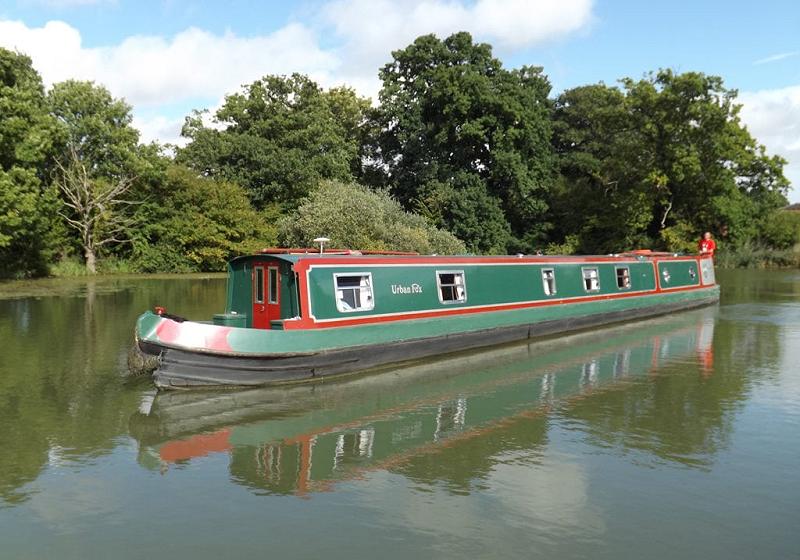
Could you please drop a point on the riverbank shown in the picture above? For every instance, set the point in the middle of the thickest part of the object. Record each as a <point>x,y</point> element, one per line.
<point>78,285</point>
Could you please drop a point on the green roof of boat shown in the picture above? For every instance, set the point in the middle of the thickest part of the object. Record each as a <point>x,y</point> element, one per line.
<point>294,255</point>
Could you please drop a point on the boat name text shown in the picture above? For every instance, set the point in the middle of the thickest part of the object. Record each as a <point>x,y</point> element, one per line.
<point>412,289</point>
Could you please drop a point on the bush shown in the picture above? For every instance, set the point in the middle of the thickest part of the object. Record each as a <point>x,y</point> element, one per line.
<point>782,230</point>
<point>353,216</point>
<point>67,267</point>
<point>756,255</point>
<point>568,247</point>
<point>680,238</point>
<point>198,225</point>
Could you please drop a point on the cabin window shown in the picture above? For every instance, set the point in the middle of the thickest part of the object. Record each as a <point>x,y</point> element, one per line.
<point>452,288</point>
<point>273,285</point>
<point>549,281</point>
<point>623,278</point>
<point>258,280</point>
<point>591,280</point>
<point>354,292</point>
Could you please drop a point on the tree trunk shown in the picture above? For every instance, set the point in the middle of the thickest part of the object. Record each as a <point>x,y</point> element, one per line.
<point>91,265</point>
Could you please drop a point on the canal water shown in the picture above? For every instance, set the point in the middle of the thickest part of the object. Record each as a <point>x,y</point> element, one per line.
<point>677,437</point>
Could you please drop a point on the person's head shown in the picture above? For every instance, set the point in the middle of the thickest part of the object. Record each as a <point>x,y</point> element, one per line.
<point>707,235</point>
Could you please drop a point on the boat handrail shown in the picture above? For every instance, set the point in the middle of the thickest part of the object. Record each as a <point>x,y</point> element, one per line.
<point>315,250</point>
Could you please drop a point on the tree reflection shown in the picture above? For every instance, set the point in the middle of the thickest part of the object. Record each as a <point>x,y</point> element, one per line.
<point>62,394</point>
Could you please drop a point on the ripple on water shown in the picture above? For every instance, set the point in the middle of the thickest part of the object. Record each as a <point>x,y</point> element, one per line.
<point>784,315</point>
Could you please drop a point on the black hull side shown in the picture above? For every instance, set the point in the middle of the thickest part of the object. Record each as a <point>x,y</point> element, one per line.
<point>182,369</point>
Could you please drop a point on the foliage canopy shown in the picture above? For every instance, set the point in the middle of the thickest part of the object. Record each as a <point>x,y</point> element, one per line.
<point>198,224</point>
<point>460,154</point>
<point>659,162</point>
<point>355,216</point>
<point>27,204</point>
<point>459,134</point>
<point>278,138</point>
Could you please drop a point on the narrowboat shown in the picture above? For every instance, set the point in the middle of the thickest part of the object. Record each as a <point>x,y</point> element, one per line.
<point>298,315</point>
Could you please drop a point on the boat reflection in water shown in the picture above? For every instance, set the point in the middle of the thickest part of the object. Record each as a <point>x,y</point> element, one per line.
<point>441,420</point>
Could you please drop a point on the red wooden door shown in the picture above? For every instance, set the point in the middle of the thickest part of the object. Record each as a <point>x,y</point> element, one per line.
<point>266,295</point>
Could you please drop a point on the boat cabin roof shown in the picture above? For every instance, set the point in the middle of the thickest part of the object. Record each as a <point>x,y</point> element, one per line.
<point>295,255</point>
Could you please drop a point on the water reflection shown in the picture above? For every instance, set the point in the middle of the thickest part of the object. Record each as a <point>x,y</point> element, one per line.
<point>63,398</point>
<point>454,421</point>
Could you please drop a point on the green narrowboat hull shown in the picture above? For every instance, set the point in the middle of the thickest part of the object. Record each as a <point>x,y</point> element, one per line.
<point>189,354</point>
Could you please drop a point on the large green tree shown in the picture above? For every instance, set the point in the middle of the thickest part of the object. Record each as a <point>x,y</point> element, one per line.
<point>27,205</point>
<point>97,165</point>
<point>97,127</point>
<point>599,199</point>
<point>461,135</point>
<point>658,162</point>
<point>278,138</point>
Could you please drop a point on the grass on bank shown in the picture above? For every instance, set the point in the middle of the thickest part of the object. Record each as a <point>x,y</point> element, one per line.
<point>72,267</point>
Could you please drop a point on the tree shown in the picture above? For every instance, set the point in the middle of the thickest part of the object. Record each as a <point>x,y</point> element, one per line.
<point>27,205</point>
<point>191,223</point>
<point>659,162</point>
<point>704,166</point>
<point>599,197</point>
<point>97,128</point>
<point>449,109</point>
<point>354,216</point>
<point>94,206</point>
<point>278,138</point>
<point>781,229</point>
<point>97,166</point>
<point>468,211</point>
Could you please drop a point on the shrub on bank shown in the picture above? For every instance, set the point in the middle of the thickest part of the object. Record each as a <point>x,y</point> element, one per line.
<point>782,230</point>
<point>756,255</point>
<point>69,266</point>
<point>356,217</point>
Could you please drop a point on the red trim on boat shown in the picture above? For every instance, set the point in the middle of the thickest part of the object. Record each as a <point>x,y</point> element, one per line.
<point>307,323</point>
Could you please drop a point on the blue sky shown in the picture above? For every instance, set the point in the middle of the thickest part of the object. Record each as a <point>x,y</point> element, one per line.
<point>169,56</point>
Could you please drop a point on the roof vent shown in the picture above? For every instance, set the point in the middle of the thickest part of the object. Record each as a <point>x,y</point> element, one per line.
<point>322,241</point>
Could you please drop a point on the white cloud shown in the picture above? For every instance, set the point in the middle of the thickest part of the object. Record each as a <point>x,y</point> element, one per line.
<point>776,57</point>
<point>773,118</point>
<point>58,4</point>
<point>371,29</point>
<point>383,25</point>
<point>159,128</point>
<point>152,71</point>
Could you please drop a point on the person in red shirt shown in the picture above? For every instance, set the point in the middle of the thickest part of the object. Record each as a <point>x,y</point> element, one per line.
<point>707,245</point>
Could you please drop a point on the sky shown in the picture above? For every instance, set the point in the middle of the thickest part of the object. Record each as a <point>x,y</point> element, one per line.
<point>168,57</point>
